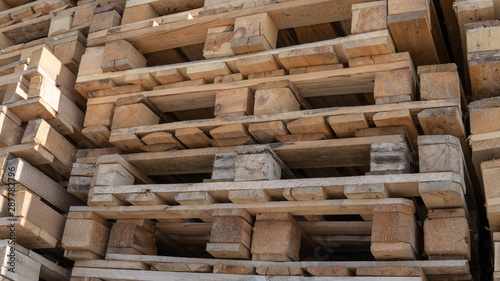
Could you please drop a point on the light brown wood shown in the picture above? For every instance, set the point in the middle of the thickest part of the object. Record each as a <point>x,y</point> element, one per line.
<point>345,126</point>
<point>266,132</point>
<point>133,115</point>
<point>369,16</point>
<point>236,102</point>
<point>254,33</point>
<point>304,57</point>
<point>218,42</point>
<point>456,229</point>
<point>138,13</point>
<point>257,64</point>
<point>103,21</point>
<point>394,233</point>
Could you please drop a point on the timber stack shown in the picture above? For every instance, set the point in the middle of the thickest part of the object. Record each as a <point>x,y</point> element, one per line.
<point>250,140</point>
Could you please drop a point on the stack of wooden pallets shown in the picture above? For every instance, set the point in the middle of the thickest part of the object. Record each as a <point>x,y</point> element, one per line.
<point>41,119</point>
<point>244,139</point>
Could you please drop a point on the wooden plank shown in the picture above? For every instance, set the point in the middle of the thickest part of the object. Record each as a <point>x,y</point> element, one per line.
<point>355,152</point>
<point>39,131</point>
<point>40,184</point>
<point>414,29</point>
<point>406,185</point>
<point>284,15</point>
<point>28,206</point>
<point>436,267</point>
<point>332,81</point>
<point>159,275</point>
<point>319,207</point>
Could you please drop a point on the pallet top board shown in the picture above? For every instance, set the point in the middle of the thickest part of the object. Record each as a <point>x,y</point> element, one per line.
<point>369,110</point>
<point>398,185</point>
<point>436,267</point>
<point>152,36</point>
<point>296,155</point>
<point>325,83</point>
<point>295,208</point>
<point>337,43</point>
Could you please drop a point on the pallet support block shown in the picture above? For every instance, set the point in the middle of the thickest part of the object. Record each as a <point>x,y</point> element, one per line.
<point>224,166</point>
<point>447,233</point>
<point>85,236</point>
<point>310,56</point>
<point>277,100</point>
<point>394,233</point>
<point>133,115</point>
<point>389,158</point>
<point>267,132</point>
<point>394,86</point>
<point>415,29</point>
<point>369,16</point>
<point>260,166</point>
<point>106,175</point>
<point>345,125</point>
<point>105,20</point>
<point>440,153</point>
<point>39,131</point>
<point>132,237</point>
<point>275,238</point>
<point>121,55</point>
<point>254,33</point>
<point>231,234</point>
<point>11,132</point>
<point>235,102</point>
<point>218,42</point>
<point>138,13</point>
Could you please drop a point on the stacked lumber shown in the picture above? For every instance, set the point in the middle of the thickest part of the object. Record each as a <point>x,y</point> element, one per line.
<point>41,116</point>
<point>249,139</point>
<point>479,27</point>
<point>239,150</point>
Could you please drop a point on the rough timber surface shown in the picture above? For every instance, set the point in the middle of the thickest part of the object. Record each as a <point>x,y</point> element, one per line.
<point>157,37</point>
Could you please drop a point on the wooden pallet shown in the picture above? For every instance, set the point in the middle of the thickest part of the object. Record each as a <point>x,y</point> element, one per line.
<point>423,20</point>
<point>173,266</point>
<point>30,265</point>
<point>311,198</point>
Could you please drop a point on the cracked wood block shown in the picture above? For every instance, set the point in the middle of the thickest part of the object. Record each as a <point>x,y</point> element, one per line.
<point>133,115</point>
<point>255,167</point>
<point>218,42</point>
<point>266,132</point>
<point>345,125</point>
<point>253,34</point>
<point>121,55</point>
<point>132,237</point>
<point>440,154</point>
<point>436,83</point>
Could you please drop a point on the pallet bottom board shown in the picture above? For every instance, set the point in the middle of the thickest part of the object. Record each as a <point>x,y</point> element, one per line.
<point>107,274</point>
